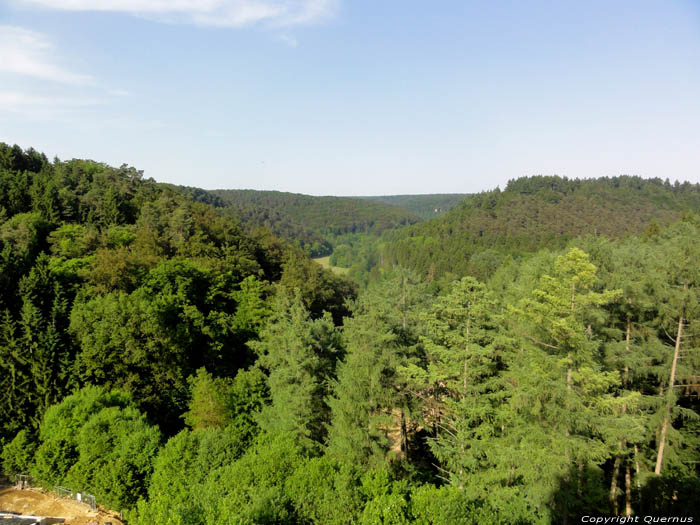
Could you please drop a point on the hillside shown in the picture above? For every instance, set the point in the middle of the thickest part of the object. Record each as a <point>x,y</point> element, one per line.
<point>159,358</point>
<point>425,206</point>
<point>533,213</point>
<point>110,278</point>
<point>308,219</point>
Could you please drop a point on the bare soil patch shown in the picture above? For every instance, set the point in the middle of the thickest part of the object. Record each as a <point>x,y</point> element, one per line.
<point>35,502</point>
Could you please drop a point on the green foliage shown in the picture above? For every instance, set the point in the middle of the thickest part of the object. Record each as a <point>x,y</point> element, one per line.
<point>97,441</point>
<point>17,456</point>
<point>116,448</point>
<point>461,360</point>
<point>300,354</point>
<point>72,241</point>
<point>446,505</point>
<point>222,402</point>
<point>326,491</point>
<point>181,468</point>
<point>563,383</point>
<point>321,290</point>
<point>183,317</point>
<point>248,394</point>
<point>534,213</point>
<point>335,215</point>
<point>366,402</point>
<point>251,490</point>
<point>425,206</point>
<point>209,404</point>
<point>387,499</point>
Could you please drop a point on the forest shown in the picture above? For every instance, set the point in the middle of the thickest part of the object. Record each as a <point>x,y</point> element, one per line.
<point>541,366</point>
<point>425,206</point>
<point>476,236</point>
<point>311,223</point>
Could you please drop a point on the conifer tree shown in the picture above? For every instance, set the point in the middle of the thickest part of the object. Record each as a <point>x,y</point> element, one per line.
<point>562,395</point>
<point>16,403</point>
<point>682,251</point>
<point>460,374</point>
<point>634,351</point>
<point>370,398</point>
<point>299,354</point>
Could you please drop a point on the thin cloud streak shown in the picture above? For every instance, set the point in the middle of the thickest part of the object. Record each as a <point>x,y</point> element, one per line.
<point>220,13</point>
<point>42,107</point>
<point>28,53</point>
<point>289,40</point>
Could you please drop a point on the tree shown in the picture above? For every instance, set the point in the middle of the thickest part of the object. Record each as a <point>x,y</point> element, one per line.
<point>299,354</point>
<point>180,471</point>
<point>368,401</point>
<point>97,441</point>
<point>461,364</point>
<point>683,252</point>
<point>563,394</point>
<point>209,404</point>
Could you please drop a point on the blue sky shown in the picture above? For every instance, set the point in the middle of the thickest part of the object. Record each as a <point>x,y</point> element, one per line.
<point>340,97</point>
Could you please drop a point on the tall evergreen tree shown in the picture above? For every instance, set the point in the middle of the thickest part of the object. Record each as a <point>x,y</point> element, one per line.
<point>561,393</point>
<point>462,363</point>
<point>683,279</point>
<point>370,401</point>
<point>299,354</point>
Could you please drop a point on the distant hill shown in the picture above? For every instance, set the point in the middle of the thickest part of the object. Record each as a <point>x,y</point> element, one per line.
<point>307,219</point>
<point>425,206</point>
<point>536,212</point>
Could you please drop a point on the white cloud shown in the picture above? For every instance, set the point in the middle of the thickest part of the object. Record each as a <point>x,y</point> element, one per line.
<point>224,13</point>
<point>119,92</point>
<point>42,106</point>
<point>29,53</point>
<point>289,40</point>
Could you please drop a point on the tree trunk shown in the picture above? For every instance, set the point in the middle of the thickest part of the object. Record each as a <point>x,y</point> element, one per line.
<point>628,491</point>
<point>466,358</point>
<point>667,416</point>
<point>613,485</point>
<point>636,467</point>
<point>404,435</point>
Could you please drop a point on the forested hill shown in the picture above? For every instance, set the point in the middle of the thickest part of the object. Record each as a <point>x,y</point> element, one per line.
<point>536,212</point>
<point>156,356</point>
<point>426,206</point>
<point>294,216</point>
<point>111,279</point>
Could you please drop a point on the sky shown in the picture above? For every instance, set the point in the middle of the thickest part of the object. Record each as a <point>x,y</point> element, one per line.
<point>355,97</point>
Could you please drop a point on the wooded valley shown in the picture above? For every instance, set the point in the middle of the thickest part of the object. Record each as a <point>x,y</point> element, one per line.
<point>530,356</point>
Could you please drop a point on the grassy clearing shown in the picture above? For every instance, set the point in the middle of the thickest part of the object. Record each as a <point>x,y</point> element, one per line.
<point>326,263</point>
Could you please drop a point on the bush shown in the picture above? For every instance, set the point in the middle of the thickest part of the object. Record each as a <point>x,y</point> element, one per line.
<point>18,454</point>
<point>97,441</point>
<point>179,470</point>
<point>325,491</point>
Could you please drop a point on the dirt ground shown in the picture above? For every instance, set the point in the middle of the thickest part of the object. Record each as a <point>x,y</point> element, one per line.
<point>33,502</point>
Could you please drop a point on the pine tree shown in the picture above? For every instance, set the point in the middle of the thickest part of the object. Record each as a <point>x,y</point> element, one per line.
<point>459,377</point>
<point>562,395</point>
<point>682,251</point>
<point>299,354</point>
<point>16,404</point>
<point>371,402</point>
<point>634,351</point>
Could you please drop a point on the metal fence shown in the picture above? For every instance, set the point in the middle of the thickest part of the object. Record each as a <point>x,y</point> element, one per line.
<point>22,481</point>
<point>82,497</point>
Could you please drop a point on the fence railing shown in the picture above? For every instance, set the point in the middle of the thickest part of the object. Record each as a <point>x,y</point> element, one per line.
<point>22,481</point>
<point>82,497</point>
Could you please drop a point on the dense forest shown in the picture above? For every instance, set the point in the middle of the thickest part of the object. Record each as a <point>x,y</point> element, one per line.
<point>475,237</point>
<point>187,371</point>
<point>312,223</point>
<point>425,206</point>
